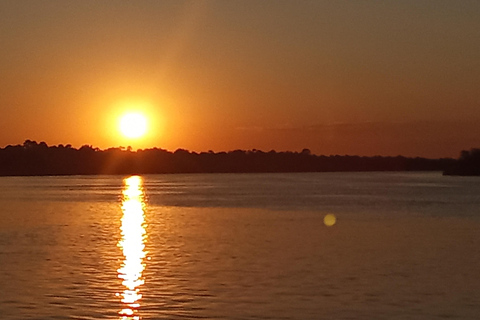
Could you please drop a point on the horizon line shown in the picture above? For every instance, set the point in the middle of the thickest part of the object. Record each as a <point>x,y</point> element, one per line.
<point>305,151</point>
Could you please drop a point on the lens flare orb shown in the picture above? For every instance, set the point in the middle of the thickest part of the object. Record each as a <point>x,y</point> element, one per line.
<point>329,220</point>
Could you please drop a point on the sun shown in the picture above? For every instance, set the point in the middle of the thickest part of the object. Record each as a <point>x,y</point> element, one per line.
<point>133,125</point>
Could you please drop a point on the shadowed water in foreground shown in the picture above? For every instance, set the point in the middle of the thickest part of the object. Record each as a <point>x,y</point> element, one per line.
<point>401,246</point>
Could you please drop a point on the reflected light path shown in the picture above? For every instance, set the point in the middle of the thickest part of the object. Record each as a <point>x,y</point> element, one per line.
<point>132,244</point>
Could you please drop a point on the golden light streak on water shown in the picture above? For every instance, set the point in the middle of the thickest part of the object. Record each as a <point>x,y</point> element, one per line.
<point>133,247</point>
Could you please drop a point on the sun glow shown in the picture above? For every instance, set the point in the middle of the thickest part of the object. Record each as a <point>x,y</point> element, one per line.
<point>133,125</point>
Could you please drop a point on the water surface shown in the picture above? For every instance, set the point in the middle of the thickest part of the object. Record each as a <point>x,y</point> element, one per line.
<point>240,246</point>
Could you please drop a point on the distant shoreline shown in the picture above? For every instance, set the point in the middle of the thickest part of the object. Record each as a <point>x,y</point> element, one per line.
<point>39,159</point>
<point>467,165</point>
<point>221,173</point>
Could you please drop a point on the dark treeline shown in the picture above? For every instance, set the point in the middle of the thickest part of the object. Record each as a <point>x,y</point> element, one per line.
<point>467,165</point>
<point>34,158</point>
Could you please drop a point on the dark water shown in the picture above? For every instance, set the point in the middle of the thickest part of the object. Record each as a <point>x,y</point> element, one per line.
<point>253,246</point>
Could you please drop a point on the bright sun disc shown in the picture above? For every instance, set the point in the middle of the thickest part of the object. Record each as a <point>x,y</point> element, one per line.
<point>133,125</point>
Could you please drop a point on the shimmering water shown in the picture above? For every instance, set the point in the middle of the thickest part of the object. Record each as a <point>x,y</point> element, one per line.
<point>253,246</point>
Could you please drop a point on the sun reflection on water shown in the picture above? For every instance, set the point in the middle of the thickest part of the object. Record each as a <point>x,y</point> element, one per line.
<point>132,244</point>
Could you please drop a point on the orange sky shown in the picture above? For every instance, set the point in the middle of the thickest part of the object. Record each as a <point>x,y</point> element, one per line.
<point>338,77</point>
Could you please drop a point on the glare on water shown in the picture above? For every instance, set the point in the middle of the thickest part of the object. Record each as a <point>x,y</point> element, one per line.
<point>132,244</point>
<point>240,247</point>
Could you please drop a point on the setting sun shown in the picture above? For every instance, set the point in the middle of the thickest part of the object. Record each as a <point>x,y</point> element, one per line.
<point>133,125</point>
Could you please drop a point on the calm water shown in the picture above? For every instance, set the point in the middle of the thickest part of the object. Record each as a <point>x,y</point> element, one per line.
<point>253,246</point>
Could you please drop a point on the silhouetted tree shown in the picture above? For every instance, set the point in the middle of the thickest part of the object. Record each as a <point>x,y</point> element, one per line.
<point>32,158</point>
<point>468,164</point>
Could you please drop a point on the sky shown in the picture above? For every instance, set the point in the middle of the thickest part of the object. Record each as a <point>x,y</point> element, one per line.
<point>338,77</point>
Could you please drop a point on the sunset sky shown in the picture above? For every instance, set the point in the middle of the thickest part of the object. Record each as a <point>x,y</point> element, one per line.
<point>337,77</point>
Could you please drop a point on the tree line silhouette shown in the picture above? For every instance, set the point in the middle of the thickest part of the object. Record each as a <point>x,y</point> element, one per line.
<point>467,165</point>
<point>34,158</point>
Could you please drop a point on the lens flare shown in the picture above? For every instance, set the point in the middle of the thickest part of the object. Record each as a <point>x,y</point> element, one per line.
<point>329,220</point>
